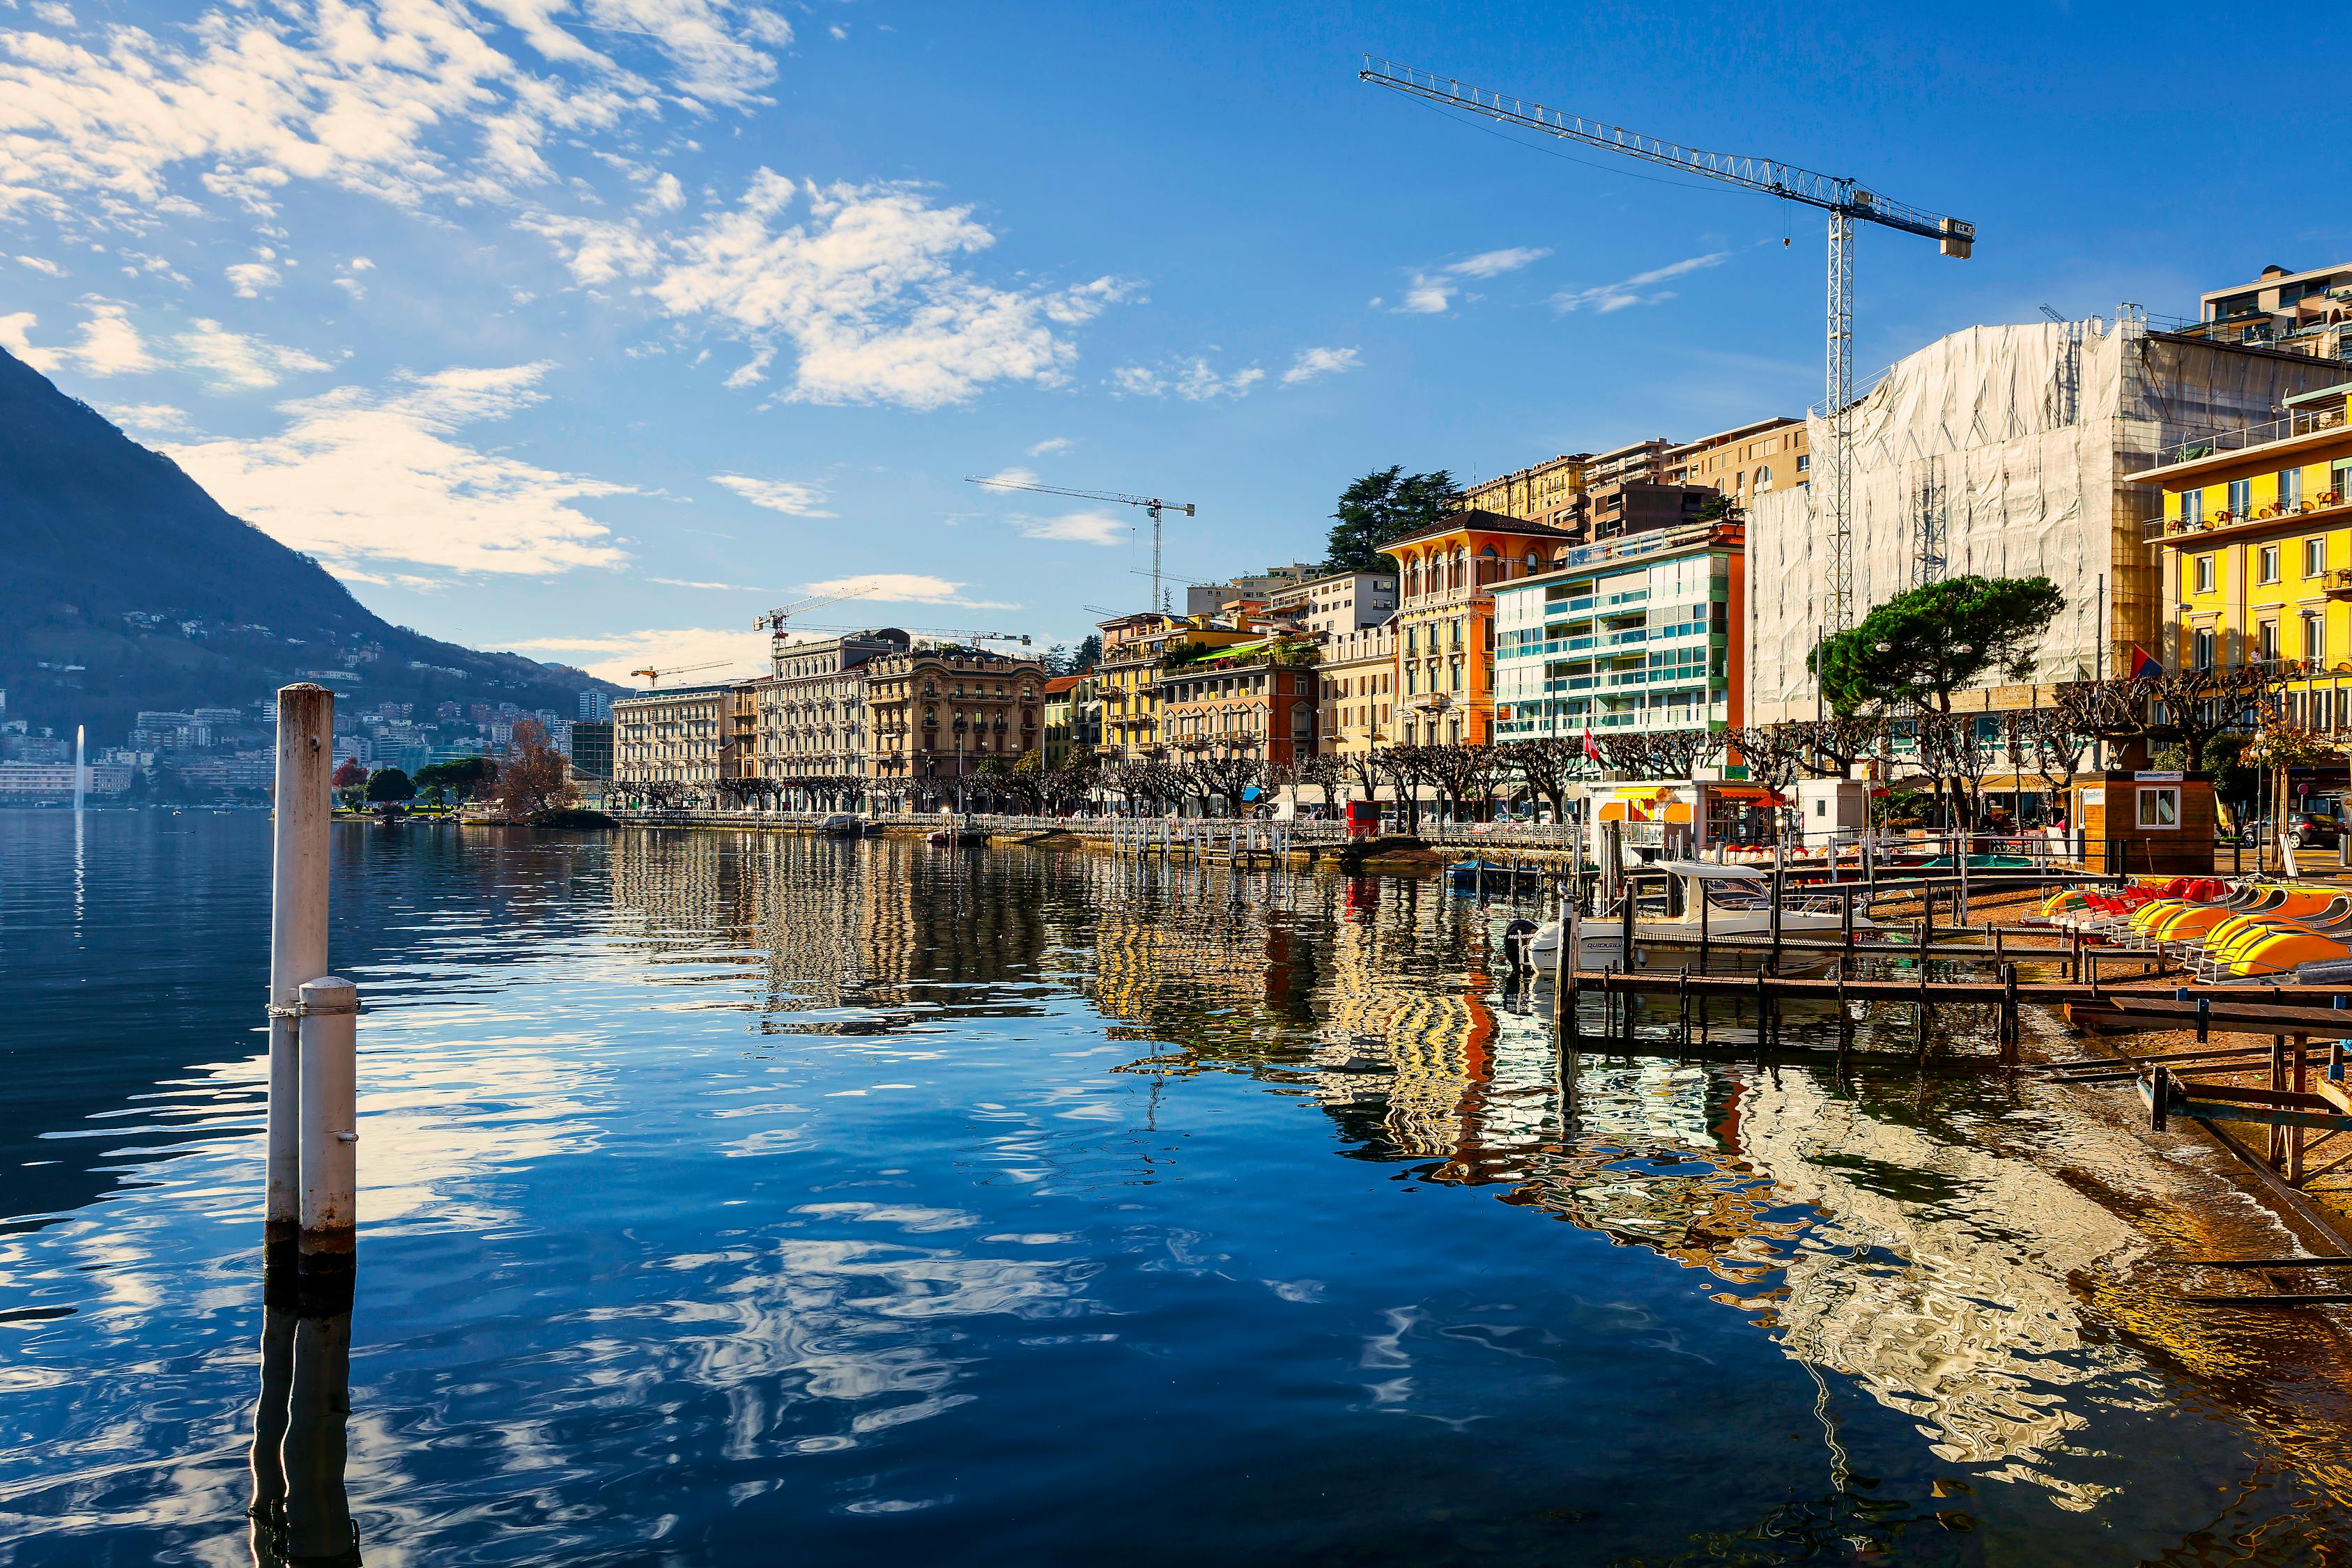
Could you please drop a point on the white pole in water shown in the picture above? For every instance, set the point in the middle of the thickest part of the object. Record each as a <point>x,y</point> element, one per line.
<point>298,932</point>
<point>329,1123</point>
<point>81,771</point>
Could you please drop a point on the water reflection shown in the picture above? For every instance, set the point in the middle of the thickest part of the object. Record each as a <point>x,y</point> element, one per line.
<point>728,1190</point>
<point>1872,1238</point>
<point>300,1515</point>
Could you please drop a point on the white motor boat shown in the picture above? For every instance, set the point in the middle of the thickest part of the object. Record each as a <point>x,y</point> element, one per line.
<point>1738,900</point>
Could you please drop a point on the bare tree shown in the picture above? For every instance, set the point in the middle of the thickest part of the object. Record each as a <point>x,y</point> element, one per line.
<point>1547,765</point>
<point>1407,768</point>
<point>1320,771</point>
<point>1465,775</point>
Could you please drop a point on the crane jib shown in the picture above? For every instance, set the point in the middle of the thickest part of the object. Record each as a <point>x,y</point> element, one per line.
<point>1767,176</point>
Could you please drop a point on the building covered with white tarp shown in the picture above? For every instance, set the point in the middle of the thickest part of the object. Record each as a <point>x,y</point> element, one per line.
<point>2005,452</point>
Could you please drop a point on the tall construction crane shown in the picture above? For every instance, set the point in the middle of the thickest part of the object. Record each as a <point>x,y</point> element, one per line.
<point>1152,504</point>
<point>1841,199</point>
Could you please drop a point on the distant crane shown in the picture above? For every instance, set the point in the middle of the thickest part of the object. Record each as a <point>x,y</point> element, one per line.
<point>774,620</point>
<point>967,633</point>
<point>1152,504</point>
<point>1842,199</point>
<point>654,678</point>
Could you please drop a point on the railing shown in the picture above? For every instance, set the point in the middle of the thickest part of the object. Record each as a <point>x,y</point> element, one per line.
<point>2299,422</point>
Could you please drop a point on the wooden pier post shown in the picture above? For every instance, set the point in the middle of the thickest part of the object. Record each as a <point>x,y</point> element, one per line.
<point>2159,1096</point>
<point>298,938</point>
<point>1845,1018</point>
<point>2276,1149</point>
<point>1704,901</point>
<point>2009,1031</point>
<point>2301,1081</point>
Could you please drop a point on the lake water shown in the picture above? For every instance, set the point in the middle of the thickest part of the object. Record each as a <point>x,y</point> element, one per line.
<point>753,1198</point>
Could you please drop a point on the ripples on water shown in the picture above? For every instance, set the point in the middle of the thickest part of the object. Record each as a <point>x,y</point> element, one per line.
<point>736,1198</point>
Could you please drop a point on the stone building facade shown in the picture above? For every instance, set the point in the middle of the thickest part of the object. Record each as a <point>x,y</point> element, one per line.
<point>936,715</point>
<point>812,723</point>
<point>680,737</point>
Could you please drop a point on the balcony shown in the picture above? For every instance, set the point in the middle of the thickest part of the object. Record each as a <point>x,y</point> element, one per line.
<point>2301,422</point>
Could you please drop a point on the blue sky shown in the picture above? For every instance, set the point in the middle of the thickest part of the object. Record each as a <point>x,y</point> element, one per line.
<point>593,327</point>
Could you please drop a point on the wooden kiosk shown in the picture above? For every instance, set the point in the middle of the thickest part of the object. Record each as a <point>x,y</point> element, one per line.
<point>2158,824</point>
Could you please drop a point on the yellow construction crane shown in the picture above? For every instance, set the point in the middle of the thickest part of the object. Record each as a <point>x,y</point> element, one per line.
<point>1841,199</point>
<point>1152,504</point>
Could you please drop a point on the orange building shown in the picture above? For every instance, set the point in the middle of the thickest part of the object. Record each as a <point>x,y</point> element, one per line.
<point>1251,700</point>
<point>1446,576</point>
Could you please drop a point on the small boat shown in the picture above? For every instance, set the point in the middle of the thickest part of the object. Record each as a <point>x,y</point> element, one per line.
<point>952,837</point>
<point>1738,900</point>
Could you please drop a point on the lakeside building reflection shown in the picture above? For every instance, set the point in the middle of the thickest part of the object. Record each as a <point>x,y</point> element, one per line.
<point>1882,1240</point>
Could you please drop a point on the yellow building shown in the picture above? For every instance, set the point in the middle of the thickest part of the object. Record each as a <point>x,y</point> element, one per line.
<point>1447,574</point>
<point>1126,678</point>
<point>1357,706</point>
<point>1549,492</point>
<point>2256,549</point>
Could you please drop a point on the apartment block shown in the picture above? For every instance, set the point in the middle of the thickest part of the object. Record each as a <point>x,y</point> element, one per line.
<point>1129,673</point>
<point>936,714</point>
<point>1254,700</point>
<point>2255,549</point>
<point>2296,313</point>
<point>1744,462</point>
<point>1638,633</point>
<point>682,736</point>
<point>1445,635</point>
<point>1355,695</point>
<point>1340,602</point>
<point>809,712</point>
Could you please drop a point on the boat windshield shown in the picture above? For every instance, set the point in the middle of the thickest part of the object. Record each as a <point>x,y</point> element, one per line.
<point>1724,894</point>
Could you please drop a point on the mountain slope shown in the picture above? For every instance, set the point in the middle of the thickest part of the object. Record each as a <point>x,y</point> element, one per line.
<point>114,559</point>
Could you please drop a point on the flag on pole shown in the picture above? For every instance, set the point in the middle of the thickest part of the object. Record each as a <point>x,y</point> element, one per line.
<point>2144,665</point>
<point>1592,751</point>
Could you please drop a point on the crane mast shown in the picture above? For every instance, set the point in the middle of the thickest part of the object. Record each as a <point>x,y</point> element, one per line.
<point>1845,201</point>
<point>1152,505</point>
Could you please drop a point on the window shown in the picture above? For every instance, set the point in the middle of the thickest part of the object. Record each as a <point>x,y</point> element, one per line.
<point>2269,569</point>
<point>2290,488</point>
<point>2192,508</point>
<point>2160,805</point>
<point>1764,479</point>
<point>2204,573</point>
<point>2315,637</point>
<point>2339,479</point>
<point>1804,462</point>
<point>2314,557</point>
<point>2241,498</point>
<point>2266,642</point>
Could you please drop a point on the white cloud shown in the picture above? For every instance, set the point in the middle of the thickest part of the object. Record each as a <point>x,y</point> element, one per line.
<point>1494,263</point>
<point>1077,527</point>
<point>1312,362</point>
<point>614,656</point>
<point>903,588</point>
<point>1194,380</point>
<point>1638,289</point>
<point>1047,447</point>
<point>791,497</point>
<point>162,419</point>
<point>239,359</point>
<point>1010,478</point>
<point>711,587</point>
<point>751,372</point>
<point>360,477</point>
<point>403,101</point>
<point>42,264</point>
<point>1432,293</point>
<point>861,281</point>
<point>251,279</point>
<point>110,344</point>
<point>667,195</point>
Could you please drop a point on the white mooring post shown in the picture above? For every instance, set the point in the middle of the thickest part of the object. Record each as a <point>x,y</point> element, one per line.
<point>81,769</point>
<point>330,1120</point>
<point>298,933</point>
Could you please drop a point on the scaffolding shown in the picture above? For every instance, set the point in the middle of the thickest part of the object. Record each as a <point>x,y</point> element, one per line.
<point>2004,452</point>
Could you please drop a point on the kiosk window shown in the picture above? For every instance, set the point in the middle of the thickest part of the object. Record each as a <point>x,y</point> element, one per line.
<point>2160,805</point>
